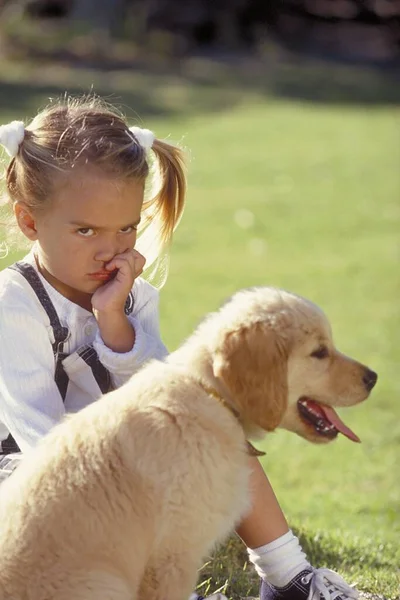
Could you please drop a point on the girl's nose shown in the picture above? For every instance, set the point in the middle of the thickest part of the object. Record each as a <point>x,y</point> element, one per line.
<point>106,250</point>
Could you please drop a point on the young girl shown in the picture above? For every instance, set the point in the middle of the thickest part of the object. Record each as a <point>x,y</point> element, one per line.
<point>76,320</point>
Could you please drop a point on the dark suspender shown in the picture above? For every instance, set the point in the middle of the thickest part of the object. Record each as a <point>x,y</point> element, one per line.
<point>61,334</point>
<point>101,374</point>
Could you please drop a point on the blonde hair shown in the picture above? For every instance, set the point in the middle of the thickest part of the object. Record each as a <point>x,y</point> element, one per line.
<point>77,132</point>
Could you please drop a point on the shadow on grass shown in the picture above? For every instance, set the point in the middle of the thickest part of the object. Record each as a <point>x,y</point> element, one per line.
<point>284,75</point>
<point>198,85</point>
<point>137,92</point>
<point>20,97</point>
<point>332,84</point>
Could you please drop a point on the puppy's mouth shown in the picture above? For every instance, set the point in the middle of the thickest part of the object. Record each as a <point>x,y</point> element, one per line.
<point>324,419</point>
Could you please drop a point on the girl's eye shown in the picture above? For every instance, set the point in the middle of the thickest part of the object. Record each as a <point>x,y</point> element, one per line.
<point>320,353</point>
<point>86,231</point>
<point>128,229</point>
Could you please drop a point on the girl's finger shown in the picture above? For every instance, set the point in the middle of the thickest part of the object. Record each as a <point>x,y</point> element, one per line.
<point>125,266</point>
<point>133,258</point>
<point>120,260</point>
<point>137,254</point>
<point>140,261</point>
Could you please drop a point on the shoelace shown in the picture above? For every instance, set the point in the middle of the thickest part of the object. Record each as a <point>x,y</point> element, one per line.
<point>329,585</point>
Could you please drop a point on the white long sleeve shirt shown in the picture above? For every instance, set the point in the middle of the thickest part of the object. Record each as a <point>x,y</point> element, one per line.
<point>30,402</point>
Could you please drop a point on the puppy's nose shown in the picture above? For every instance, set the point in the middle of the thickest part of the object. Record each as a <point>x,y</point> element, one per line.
<point>369,379</point>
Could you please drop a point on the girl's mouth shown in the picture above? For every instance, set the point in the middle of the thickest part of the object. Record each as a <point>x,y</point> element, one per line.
<point>102,275</point>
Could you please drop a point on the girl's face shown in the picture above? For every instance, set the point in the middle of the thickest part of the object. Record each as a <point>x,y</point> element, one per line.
<point>91,219</point>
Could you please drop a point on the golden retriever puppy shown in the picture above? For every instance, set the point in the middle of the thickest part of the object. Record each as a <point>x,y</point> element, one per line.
<point>123,500</point>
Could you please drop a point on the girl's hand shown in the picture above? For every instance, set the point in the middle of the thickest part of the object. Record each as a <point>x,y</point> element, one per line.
<point>123,268</point>
<point>109,301</point>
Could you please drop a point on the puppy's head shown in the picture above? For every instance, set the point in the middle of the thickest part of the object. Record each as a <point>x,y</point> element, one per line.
<point>321,378</point>
<point>273,352</point>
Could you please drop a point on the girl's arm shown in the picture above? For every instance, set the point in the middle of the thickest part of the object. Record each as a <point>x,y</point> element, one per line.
<point>147,345</point>
<point>30,403</point>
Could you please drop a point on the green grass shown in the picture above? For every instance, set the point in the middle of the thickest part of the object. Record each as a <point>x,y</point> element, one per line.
<point>298,194</point>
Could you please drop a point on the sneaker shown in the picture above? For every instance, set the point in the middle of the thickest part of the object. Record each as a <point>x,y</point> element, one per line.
<point>317,584</point>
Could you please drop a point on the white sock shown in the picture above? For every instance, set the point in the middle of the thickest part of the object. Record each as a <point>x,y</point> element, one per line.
<point>279,561</point>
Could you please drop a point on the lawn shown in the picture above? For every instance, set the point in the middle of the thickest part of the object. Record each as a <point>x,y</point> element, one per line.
<point>288,192</point>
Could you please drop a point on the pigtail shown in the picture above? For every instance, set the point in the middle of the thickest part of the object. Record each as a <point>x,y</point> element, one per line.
<point>167,204</point>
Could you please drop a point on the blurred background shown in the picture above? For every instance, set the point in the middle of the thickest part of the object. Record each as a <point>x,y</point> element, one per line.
<point>288,111</point>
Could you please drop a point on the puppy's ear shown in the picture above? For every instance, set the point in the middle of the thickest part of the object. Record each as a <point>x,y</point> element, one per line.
<point>252,363</point>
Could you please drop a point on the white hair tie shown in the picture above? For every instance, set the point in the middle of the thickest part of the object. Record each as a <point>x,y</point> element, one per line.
<point>11,136</point>
<point>144,137</point>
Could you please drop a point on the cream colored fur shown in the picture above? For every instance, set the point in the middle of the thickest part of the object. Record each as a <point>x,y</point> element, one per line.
<point>123,500</point>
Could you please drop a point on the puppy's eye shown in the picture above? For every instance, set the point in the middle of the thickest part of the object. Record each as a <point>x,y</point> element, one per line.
<point>320,353</point>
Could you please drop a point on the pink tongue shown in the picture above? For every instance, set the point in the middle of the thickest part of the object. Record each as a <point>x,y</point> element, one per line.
<point>334,418</point>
